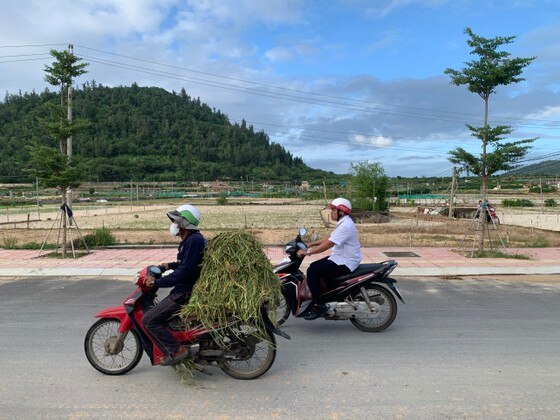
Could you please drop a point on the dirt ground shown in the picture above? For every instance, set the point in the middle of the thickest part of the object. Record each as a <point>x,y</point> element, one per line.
<point>275,223</point>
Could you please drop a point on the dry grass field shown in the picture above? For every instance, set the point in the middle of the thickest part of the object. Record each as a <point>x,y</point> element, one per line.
<point>275,222</point>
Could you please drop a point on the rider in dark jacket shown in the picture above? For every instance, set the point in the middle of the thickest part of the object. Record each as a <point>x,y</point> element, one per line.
<point>186,271</point>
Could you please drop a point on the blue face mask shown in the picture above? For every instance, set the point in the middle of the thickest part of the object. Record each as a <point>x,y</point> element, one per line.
<point>174,229</point>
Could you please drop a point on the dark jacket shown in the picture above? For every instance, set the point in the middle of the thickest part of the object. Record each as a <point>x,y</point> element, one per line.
<point>186,269</point>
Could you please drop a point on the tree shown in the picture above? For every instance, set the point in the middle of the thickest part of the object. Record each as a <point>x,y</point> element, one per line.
<point>492,69</point>
<point>371,183</point>
<point>55,167</point>
<point>62,72</point>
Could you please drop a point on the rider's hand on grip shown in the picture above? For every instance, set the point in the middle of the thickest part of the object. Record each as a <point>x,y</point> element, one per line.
<point>149,282</point>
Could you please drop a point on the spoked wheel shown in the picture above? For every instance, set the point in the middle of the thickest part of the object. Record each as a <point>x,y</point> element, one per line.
<point>385,309</point>
<point>249,354</point>
<point>282,310</point>
<point>108,356</point>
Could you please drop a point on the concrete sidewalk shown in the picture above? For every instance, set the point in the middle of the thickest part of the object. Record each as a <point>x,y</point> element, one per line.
<point>412,262</point>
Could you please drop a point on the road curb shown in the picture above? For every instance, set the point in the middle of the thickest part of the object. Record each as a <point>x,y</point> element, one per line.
<point>399,272</point>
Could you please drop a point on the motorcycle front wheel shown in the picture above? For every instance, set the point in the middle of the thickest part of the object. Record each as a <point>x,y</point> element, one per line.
<point>101,337</point>
<point>250,355</point>
<point>387,309</point>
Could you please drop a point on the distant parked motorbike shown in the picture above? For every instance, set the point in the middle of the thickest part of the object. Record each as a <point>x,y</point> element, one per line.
<point>366,296</point>
<point>115,343</point>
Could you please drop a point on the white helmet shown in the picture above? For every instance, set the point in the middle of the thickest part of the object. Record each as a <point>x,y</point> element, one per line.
<point>186,216</point>
<point>341,204</point>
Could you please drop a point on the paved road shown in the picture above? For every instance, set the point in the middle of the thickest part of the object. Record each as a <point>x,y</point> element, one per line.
<point>458,349</point>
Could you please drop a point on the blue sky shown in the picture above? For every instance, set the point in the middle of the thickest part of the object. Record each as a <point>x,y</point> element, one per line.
<point>334,82</point>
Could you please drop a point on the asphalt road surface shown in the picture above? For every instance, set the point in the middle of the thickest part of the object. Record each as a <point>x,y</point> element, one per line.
<point>478,348</point>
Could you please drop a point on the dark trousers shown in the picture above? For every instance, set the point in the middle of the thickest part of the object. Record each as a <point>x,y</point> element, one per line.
<point>156,318</point>
<point>323,269</point>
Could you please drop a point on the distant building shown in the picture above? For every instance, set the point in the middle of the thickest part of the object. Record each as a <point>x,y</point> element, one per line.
<point>304,185</point>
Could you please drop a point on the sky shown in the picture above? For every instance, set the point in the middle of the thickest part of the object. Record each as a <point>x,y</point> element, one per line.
<point>335,82</point>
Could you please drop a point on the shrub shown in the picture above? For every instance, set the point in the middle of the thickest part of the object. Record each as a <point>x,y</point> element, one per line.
<point>222,200</point>
<point>499,254</point>
<point>360,203</point>
<point>36,245</point>
<point>10,242</point>
<point>538,242</point>
<point>518,202</point>
<point>544,189</point>
<point>550,202</point>
<point>99,237</point>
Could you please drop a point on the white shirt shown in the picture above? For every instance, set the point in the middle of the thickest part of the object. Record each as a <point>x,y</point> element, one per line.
<point>346,250</point>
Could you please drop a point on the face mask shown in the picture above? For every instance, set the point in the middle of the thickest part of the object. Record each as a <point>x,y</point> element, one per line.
<point>174,229</point>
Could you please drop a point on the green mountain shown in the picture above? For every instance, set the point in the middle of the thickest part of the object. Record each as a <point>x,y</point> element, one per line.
<point>147,133</point>
<point>548,168</point>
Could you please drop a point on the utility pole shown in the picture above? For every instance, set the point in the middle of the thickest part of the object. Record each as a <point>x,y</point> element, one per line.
<point>542,200</point>
<point>452,195</point>
<point>69,139</point>
<point>37,194</point>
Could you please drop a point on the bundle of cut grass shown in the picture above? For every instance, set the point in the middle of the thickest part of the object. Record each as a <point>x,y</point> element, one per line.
<point>236,278</point>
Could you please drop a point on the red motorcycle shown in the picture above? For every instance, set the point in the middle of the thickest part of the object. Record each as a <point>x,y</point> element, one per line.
<point>115,343</point>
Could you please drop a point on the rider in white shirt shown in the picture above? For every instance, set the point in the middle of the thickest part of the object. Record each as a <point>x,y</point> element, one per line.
<point>345,258</point>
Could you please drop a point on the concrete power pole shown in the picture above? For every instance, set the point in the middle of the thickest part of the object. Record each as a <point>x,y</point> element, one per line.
<point>69,139</point>
<point>452,195</point>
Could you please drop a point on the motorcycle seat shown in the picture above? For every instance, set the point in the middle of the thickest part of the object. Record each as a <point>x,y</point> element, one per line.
<point>365,269</point>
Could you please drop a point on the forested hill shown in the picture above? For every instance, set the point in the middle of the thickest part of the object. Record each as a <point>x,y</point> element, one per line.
<point>143,133</point>
<point>548,167</point>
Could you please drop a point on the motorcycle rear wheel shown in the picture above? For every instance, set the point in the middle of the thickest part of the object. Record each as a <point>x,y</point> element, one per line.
<point>97,338</point>
<point>387,309</point>
<point>254,355</point>
<point>282,310</point>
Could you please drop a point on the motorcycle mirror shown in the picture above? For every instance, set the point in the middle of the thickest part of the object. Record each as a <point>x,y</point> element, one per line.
<point>154,271</point>
<point>302,231</point>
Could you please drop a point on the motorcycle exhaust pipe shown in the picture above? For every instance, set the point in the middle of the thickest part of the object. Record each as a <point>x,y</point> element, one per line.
<point>346,310</point>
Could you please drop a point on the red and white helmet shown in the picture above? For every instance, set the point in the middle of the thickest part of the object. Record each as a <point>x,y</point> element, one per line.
<point>341,204</point>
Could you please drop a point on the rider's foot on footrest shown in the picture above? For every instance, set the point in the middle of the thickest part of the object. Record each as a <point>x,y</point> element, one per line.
<point>316,312</point>
<point>175,358</point>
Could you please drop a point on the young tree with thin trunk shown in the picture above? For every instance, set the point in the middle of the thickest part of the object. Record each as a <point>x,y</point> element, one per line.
<point>61,73</point>
<point>51,165</point>
<point>493,68</point>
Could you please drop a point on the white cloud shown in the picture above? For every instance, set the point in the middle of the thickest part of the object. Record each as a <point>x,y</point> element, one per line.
<point>305,50</point>
<point>250,39</point>
<point>378,141</point>
<point>546,112</point>
<point>386,41</point>
<point>280,54</point>
<point>385,7</point>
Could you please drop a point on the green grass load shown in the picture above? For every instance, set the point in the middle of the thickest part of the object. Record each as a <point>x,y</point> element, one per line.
<point>236,278</point>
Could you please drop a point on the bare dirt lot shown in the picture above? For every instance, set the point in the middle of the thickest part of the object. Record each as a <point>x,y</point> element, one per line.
<point>276,222</point>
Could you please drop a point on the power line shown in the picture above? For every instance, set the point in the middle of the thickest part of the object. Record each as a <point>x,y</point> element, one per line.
<point>250,82</point>
<point>24,59</point>
<point>242,89</point>
<point>348,103</point>
<point>32,45</point>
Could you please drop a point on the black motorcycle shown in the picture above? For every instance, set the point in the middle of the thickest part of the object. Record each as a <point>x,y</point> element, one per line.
<point>365,296</point>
